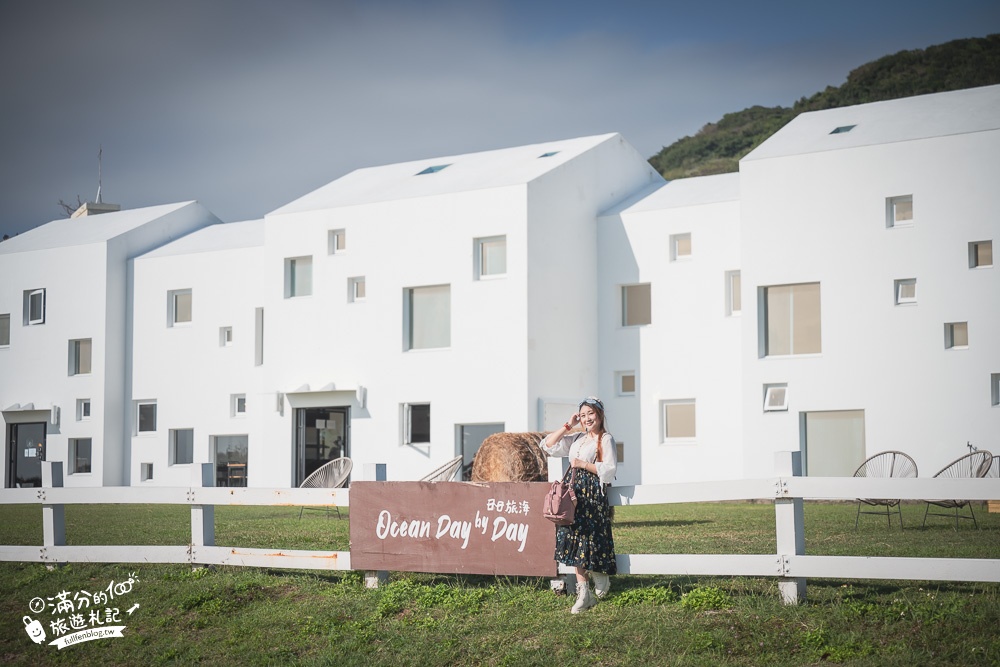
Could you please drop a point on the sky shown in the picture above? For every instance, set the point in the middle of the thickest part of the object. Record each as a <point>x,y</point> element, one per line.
<point>246,105</point>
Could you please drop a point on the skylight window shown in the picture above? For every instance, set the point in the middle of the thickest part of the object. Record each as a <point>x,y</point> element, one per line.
<point>843,129</point>
<point>434,169</point>
<point>548,154</point>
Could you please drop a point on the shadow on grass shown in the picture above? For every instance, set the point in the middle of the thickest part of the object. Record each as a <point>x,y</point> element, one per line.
<point>660,524</point>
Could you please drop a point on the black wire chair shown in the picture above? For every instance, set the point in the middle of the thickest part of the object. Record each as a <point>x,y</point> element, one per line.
<point>884,464</point>
<point>975,464</point>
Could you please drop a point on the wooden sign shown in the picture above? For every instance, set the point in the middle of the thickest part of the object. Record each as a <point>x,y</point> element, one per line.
<point>452,527</point>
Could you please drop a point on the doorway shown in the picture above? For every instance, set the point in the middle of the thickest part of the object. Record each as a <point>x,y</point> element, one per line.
<point>25,453</point>
<point>321,435</point>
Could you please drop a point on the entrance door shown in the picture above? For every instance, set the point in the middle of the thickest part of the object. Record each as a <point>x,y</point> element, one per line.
<point>322,434</point>
<point>26,451</point>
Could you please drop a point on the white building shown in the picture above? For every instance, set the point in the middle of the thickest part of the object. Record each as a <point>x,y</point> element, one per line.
<point>837,295</point>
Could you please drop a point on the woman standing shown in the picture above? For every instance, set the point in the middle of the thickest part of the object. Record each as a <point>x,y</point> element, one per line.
<point>587,543</point>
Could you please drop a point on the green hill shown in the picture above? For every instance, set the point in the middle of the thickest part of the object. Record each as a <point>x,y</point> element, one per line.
<point>718,147</point>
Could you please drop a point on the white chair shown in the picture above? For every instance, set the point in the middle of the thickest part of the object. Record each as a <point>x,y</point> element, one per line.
<point>331,475</point>
<point>445,473</point>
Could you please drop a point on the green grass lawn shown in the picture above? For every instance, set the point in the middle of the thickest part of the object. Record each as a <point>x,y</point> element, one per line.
<point>248,616</point>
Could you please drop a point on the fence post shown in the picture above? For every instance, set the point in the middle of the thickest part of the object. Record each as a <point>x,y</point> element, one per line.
<point>789,527</point>
<point>202,516</point>
<point>53,516</point>
<point>375,472</point>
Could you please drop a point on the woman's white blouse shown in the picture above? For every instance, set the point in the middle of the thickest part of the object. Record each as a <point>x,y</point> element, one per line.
<point>577,446</point>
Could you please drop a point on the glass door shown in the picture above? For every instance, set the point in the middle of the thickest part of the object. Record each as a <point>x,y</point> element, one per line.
<point>26,453</point>
<point>322,435</point>
<point>230,460</point>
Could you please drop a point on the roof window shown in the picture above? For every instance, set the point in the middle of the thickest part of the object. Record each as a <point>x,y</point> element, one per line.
<point>548,154</point>
<point>434,169</point>
<point>843,129</point>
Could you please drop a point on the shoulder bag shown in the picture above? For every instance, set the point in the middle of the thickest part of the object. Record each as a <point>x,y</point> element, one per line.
<point>560,501</point>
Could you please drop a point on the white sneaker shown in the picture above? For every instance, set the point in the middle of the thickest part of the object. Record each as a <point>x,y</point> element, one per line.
<point>584,600</point>
<point>602,584</point>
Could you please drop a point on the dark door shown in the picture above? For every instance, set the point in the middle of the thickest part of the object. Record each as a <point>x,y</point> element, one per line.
<point>321,435</point>
<point>26,451</point>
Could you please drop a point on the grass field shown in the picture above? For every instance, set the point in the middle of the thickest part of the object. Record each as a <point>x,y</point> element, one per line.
<point>246,616</point>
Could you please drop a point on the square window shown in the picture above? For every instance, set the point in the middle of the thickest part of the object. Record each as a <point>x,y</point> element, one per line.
<point>82,409</point>
<point>181,446</point>
<point>549,154</point>
<point>80,355</point>
<point>775,397</point>
<point>427,314</point>
<point>298,277</point>
<point>678,419</point>
<point>956,335</point>
<point>5,330</point>
<point>225,336</point>
<point>145,417</point>
<point>905,291</point>
<point>843,129</point>
<point>636,305</point>
<point>980,254</point>
<point>237,405</point>
<point>356,289</point>
<point>179,305</point>
<point>625,381</point>
<point>734,295</point>
<point>416,423</point>
<point>434,169</point>
<point>680,246</point>
<point>34,307</point>
<point>79,455</point>
<point>145,472</point>
<point>899,211</point>
<point>491,256</point>
<point>336,241</point>
<point>790,320</point>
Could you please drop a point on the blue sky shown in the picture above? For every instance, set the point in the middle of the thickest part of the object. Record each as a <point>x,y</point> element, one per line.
<point>246,105</point>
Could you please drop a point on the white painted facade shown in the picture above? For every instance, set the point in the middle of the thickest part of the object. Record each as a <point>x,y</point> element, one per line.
<point>581,221</point>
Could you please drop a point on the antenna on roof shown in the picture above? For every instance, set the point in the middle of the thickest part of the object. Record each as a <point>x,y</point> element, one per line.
<point>100,155</point>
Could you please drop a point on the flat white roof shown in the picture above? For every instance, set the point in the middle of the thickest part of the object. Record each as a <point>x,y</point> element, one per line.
<point>907,119</point>
<point>222,236</point>
<point>472,171</point>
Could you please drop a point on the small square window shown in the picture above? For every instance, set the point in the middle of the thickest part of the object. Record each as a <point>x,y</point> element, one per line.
<point>625,381</point>
<point>680,246</point>
<point>491,256</point>
<point>79,455</point>
<point>82,409</point>
<point>225,336</point>
<point>956,335</point>
<point>5,330</point>
<point>145,472</point>
<point>433,170</point>
<point>980,254</point>
<point>636,305</point>
<point>237,405</point>
<point>298,277</point>
<point>734,293</point>
<point>416,423</point>
<point>145,417</point>
<point>34,307</point>
<point>179,307</point>
<point>356,289</point>
<point>678,419</point>
<point>80,355</point>
<point>899,211</point>
<point>181,446</point>
<point>337,241</point>
<point>843,129</point>
<point>905,291</point>
<point>775,397</point>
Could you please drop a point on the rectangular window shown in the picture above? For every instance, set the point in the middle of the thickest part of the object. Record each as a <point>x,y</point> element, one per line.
<point>145,417</point>
<point>834,442</point>
<point>636,305</point>
<point>994,389</point>
<point>225,336</point>
<point>179,305</point>
<point>678,419</point>
<point>980,254</point>
<point>791,319</point>
<point>5,330</point>
<point>82,409</point>
<point>298,277</point>
<point>356,289</point>
<point>620,451</point>
<point>433,169</point>
<point>428,317</point>
<point>79,455</point>
<point>680,246</point>
<point>230,457</point>
<point>80,355</point>
<point>258,339</point>
<point>237,405</point>
<point>416,424</point>
<point>181,446</point>
<point>899,211</point>
<point>337,241</point>
<point>734,294</point>
<point>956,335</point>
<point>34,307</point>
<point>905,291</point>
<point>775,397</point>
<point>145,472</point>
<point>625,381</point>
<point>491,256</point>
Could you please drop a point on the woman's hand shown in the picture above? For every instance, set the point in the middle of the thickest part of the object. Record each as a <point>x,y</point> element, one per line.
<point>580,463</point>
<point>573,420</point>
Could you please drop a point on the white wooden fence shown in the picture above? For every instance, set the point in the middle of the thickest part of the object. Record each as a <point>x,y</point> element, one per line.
<point>790,564</point>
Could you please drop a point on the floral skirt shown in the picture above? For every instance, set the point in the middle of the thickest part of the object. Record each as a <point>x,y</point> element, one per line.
<point>587,542</point>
